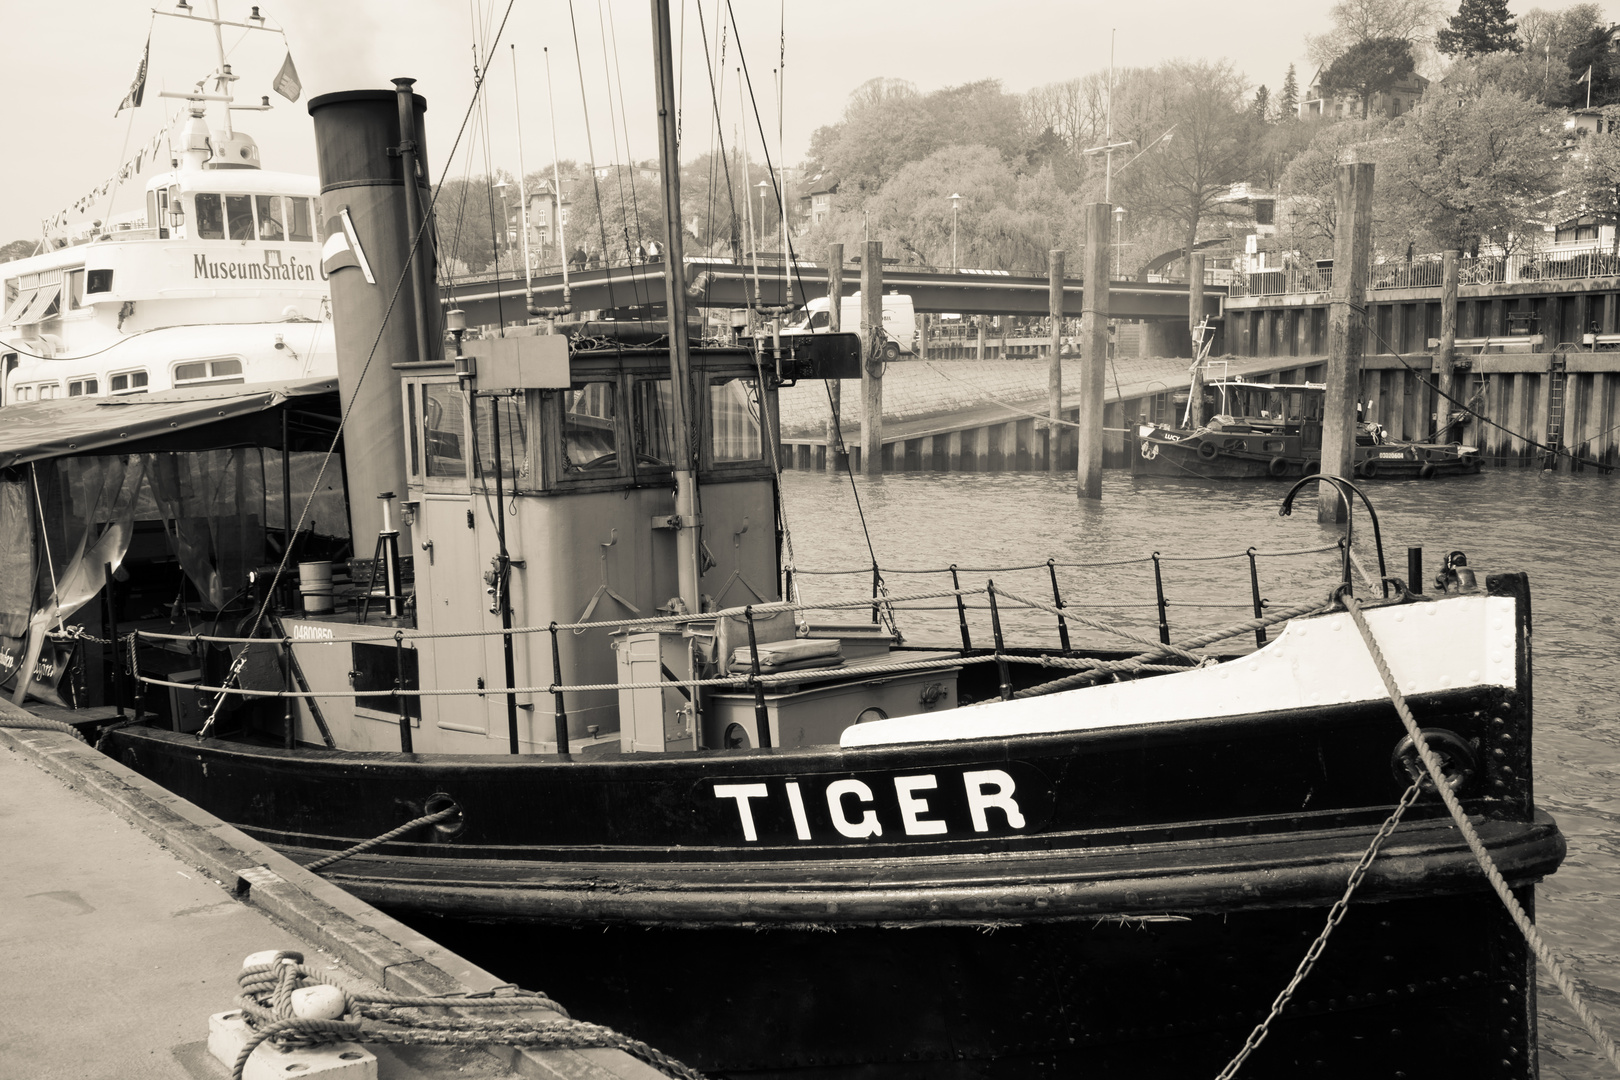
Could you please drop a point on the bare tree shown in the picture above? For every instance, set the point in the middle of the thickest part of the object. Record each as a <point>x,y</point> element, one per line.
<point>1412,21</point>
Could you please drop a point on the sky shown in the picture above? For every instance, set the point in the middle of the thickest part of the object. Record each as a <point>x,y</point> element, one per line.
<point>74,143</point>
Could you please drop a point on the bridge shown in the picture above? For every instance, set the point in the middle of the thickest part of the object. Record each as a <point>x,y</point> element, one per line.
<point>725,284</point>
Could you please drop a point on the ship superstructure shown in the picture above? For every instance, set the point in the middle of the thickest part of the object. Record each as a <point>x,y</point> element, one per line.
<point>217,280</point>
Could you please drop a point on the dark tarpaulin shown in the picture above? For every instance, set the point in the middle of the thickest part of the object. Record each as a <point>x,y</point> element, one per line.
<point>41,430</point>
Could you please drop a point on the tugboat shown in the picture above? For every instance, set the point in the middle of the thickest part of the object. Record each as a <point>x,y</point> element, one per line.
<point>577,673</point>
<point>217,282</point>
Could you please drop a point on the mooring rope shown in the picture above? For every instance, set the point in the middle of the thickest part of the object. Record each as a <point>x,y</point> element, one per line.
<point>1460,817</point>
<point>378,841</point>
<point>267,1003</point>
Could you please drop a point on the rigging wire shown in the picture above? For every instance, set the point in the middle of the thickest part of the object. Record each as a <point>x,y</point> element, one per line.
<point>590,148</point>
<point>639,285</point>
<point>376,342</point>
<point>613,132</point>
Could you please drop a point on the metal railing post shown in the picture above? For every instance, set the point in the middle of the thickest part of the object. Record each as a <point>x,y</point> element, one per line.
<point>762,715</point>
<point>995,630</point>
<point>112,635</point>
<point>558,712</point>
<point>1259,604</point>
<point>1057,600</point>
<point>399,698</point>
<point>961,611</point>
<point>1158,586</point>
<point>287,685</point>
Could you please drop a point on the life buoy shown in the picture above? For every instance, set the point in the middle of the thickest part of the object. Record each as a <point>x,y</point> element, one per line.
<point>1427,470</point>
<point>1277,466</point>
<point>1207,450</point>
<point>1368,469</point>
<point>1312,467</point>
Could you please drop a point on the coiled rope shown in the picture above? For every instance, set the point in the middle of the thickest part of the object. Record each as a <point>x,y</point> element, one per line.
<point>266,1001</point>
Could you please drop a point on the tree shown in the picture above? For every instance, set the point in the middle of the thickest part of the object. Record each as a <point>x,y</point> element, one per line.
<point>1306,194</point>
<point>1355,21</point>
<point>1262,105</point>
<point>1368,68</point>
<point>1465,171</point>
<point>1591,180</point>
<point>17,249</point>
<point>1182,176</point>
<point>1478,28</point>
<point>1592,59</point>
<point>1288,99</point>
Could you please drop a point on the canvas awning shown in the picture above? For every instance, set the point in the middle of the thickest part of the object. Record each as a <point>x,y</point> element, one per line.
<point>41,430</point>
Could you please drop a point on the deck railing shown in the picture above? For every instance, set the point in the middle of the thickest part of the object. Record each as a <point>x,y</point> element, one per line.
<point>1427,271</point>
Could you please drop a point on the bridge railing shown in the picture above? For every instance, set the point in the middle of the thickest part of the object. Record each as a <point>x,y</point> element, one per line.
<point>1426,272</point>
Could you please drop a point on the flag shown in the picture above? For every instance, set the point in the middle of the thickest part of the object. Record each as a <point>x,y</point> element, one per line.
<point>342,247</point>
<point>1587,78</point>
<point>286,83</point>
<point>137,89</point>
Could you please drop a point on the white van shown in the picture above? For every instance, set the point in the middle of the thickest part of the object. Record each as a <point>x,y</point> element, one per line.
<point>899,321</point>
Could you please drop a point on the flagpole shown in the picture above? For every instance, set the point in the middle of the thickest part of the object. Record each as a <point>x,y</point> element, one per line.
<point>1588,86</point>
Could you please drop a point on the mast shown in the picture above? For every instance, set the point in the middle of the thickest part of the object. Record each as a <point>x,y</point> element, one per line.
<point>680,360</point>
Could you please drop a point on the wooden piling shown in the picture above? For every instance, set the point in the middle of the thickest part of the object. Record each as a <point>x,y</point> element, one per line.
<point>1094,355</point>
<point>1445,357</point>
<point>1195,292</point>
<point>1048,448</point>
<point>872,354</point>
<point>1347,331</point>
<point>835,303</point>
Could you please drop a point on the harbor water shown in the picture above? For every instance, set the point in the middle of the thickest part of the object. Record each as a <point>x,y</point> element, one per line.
<point>1560,529</point>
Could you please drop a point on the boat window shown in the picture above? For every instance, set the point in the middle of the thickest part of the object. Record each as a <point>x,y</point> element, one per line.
<point>25,393</point>
<point>412,435</point>
<point>507,410</point>
<point>590,429</point>
<point>212,371</point>
<point>444,426</point>
<point>47,391</point>
<point>239,216</point>
<point>98,281</point>
<point>653,412</point>
<point>128,382</point>
<point>734,421</point>
<point>272,217</point>
<point>210,216</point>
<point>300,222</point>
<point>820,320</point>
<point>81,387</point>
<point>75,289</point>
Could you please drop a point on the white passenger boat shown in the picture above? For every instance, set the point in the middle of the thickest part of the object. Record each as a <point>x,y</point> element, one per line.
<point>217,280</point>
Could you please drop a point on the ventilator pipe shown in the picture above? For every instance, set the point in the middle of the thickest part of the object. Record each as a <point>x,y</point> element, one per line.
<point>1340,484</point>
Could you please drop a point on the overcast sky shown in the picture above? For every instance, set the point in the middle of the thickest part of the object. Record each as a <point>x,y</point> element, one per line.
<point>73,60</point>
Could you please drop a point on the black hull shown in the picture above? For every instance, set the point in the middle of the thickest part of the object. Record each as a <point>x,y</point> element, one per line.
<point>1425,987</point>
<point>1217,456</point>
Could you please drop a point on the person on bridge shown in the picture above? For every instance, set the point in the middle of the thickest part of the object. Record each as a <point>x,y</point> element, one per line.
<point>652,251</point>
<point>577,259</point>
<point>594,261</point>
<point>641,253</point>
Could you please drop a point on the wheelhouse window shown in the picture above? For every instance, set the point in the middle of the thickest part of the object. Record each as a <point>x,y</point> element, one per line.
<point>444,429</point>
<point>208,371</point>
<point>127,382</point>
<point>734,421</point>
<point>652,413</point>
<point>300,222</point>
<point>508,411</point>
<point>272,217</point>
<point>75,288</point>
<point>210,216</point>
<point>98,281</point>
<point>239,216</point>
<point>590,429</point>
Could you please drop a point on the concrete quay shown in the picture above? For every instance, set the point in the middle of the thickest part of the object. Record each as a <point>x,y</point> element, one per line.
<point>129,912</point>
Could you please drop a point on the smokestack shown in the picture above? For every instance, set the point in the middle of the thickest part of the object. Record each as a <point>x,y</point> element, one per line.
<point>367,222</point>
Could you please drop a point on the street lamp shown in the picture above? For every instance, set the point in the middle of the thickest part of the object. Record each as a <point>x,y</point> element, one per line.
<point>956,201</point>
<point>1119,224</point>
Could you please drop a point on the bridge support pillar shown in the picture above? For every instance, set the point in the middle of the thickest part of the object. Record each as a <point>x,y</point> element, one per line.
<point>1047,439</point>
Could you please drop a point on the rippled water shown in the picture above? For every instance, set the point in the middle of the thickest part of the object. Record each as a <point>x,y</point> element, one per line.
<point>1560,529</point>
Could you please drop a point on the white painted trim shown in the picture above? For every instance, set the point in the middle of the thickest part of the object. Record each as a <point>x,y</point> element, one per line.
<point>1447,644</point>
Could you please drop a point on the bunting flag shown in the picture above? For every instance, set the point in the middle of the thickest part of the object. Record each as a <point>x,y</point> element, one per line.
<point>137,89</point>
<point>286,83</point>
